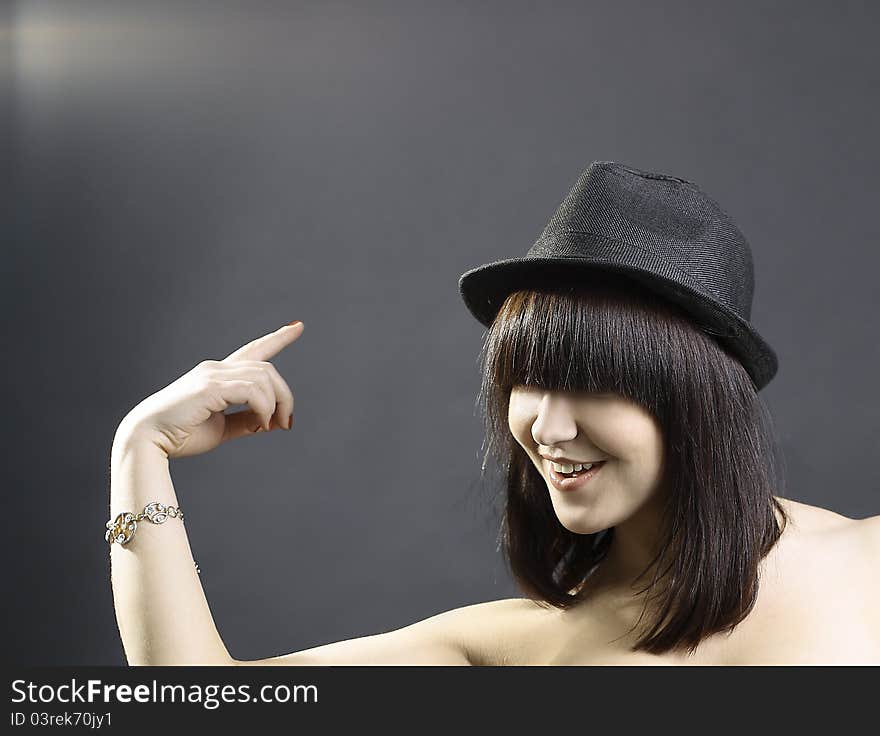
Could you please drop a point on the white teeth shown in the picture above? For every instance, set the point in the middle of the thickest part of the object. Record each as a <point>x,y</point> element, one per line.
<point>570,468</point>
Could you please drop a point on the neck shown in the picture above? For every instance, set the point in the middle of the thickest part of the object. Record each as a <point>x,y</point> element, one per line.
<point>625,568</point>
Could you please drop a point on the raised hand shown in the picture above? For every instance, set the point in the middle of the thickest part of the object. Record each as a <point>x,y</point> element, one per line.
<point>186,417</point>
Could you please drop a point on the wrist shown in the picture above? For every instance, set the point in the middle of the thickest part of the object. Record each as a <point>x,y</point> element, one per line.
<point>139,473</point>
<point>133,435</point>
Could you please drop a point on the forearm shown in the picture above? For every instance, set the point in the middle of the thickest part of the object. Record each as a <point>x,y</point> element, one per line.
<point>161,609</point>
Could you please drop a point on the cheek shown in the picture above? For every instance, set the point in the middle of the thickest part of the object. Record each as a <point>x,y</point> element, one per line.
<point>628,435</point>
<point>519,421</point>
<point>639,448</point>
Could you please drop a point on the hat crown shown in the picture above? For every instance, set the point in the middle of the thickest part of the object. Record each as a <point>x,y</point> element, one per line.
<point>659,231</point>
<point>666,216</point>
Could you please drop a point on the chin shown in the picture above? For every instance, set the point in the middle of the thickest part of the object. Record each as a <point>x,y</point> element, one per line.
<point>580,520</point>
<point>584,528</point>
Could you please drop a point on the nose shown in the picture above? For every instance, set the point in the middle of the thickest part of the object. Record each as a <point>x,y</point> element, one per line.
<point>555,421</point>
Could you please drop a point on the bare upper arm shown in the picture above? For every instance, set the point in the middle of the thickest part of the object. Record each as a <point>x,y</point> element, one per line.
<point>476,634</point>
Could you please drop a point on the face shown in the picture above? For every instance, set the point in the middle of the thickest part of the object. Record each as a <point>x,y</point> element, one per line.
<point>584,426</point>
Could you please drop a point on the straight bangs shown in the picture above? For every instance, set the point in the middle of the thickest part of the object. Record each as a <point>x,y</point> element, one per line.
<point>588,337</point>
<point>607,333</point>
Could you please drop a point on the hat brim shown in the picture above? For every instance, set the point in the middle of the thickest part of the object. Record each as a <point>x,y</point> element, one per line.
<point>485,288</point>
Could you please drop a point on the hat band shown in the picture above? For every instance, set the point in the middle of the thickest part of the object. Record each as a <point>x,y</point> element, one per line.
<point>632,258</point>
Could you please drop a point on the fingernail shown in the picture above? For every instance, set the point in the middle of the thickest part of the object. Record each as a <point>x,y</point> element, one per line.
<point>290,422</point>
<point>294,323</point>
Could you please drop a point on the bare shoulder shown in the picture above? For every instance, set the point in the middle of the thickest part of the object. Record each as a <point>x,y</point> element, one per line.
<point>495,632</point>
<point>868,537</point>
<point>817,520</point>
<point>808,519</point>
<point>866,550</point>
<point>820,538</point>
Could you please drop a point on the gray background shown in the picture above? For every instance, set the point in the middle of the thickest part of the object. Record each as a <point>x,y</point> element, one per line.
<point>188,176</point>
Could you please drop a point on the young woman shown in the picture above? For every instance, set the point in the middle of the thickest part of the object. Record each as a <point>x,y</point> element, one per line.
<point>644,519</point>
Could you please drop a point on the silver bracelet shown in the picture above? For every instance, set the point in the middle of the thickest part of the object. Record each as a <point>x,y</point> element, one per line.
<point>121,529</point>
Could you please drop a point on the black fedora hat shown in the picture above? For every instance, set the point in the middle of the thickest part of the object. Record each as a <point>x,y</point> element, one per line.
<point>660,231</point>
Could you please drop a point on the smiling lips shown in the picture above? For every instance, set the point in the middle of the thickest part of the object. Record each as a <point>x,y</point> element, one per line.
<point>569,468</point>
<point>573,482</point>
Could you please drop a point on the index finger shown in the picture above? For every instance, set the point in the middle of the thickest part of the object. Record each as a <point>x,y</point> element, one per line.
<point>267,346</point>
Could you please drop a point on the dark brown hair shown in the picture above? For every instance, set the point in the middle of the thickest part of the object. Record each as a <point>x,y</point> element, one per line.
<point>607,333</point>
